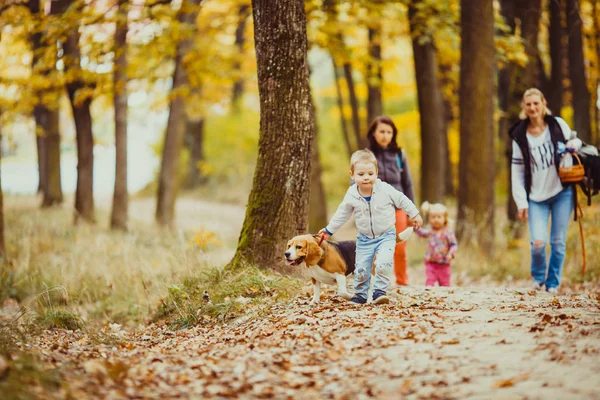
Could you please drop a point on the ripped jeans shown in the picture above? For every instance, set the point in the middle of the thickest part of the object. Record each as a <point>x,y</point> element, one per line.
<point>366,249</point>
<point>559,207</point>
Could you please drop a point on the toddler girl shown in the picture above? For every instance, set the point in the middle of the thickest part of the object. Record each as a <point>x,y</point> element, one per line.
<point>441,247</point>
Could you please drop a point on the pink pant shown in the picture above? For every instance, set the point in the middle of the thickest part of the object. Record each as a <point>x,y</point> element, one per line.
<point>439,273</point>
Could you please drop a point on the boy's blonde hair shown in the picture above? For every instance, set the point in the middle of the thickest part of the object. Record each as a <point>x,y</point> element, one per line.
<point>363,156</point>
<point>436,208</point>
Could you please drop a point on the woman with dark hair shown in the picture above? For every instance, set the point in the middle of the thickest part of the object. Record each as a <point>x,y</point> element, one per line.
<point>393,169</point>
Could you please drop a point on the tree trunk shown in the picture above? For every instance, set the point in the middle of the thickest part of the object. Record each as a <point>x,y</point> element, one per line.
<point>2,245</point>
<point>238,84</point>
<point>50,121</point>
<point>168,179</point>
<point>84,195</point>
<point>39,110</point>
<point>360,143</point>
<point>194,137</point>
<point>317,204</point>
<point>374,75</point>
<point>596,22</point>
<point>278,203</point>
<point>476,170</point>
<point>510,114</point>
<point>449,118</point>
<point>556,34</point>
<point>120,206</point>
<point>579,90</point>
<point>431,109</point>
<point>340,103</point>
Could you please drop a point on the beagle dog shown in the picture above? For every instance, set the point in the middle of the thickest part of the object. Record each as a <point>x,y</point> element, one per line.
<point>327,262</point>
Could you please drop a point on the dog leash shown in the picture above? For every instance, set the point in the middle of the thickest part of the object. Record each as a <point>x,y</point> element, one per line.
<point>322,238</point>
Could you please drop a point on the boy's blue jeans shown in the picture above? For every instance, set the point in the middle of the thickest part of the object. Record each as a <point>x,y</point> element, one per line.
<point>366,248</point>
<point>560,207</point>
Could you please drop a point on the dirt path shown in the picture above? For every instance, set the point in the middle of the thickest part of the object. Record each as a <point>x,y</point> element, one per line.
<point>457,343</point>
<point>462,342</point>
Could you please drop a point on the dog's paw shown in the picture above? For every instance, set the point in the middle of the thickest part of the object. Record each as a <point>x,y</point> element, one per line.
<point>346,295</point>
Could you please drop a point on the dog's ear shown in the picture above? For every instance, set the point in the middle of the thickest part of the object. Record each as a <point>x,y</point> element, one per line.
<point>313,252</point>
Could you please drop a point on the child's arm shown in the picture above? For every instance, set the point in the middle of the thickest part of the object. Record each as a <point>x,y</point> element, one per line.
<point>402,202</point>
<point>341,216</point>
<point>423,232</point>
<point>452,244</point>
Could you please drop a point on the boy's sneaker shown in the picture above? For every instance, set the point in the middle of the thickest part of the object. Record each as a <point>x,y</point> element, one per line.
<point>536,285</point>
<point>358,300</point>
<point>379,297</point>
<point>552,290</point>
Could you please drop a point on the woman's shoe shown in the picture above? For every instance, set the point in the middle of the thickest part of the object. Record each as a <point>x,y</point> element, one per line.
<point>552,290</point>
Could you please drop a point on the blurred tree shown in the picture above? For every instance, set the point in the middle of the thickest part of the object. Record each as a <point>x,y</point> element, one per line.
<point>476,170</point>
<point>374,75</point>
<point>431,104</point>
<point>577,72</point>
<point>557,44</point>
<point>194,141</point>
<point>118,219</point>
<point>168,178</point>
<point>240,40</point>
<point>2,245</point>
<point>278,203</point>
<point>514,77</point>
<point>317,203</point>
<point>79,92</point>
<point>49,116</point>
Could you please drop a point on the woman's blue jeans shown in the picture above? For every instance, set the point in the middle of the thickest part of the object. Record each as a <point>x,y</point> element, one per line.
<point>559,208</point>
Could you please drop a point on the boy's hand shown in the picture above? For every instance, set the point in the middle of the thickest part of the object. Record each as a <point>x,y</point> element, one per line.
<point>417,222</point>
<point>449,257</point>
<point>324,233</point>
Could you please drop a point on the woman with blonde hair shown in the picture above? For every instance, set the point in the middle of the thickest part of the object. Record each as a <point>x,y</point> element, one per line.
<point>539,139</point>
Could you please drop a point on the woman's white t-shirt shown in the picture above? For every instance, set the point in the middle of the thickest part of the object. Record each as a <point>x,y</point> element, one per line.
<point>545,182</point>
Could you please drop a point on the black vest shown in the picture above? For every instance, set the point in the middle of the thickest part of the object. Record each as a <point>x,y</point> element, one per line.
<point>518,132</point>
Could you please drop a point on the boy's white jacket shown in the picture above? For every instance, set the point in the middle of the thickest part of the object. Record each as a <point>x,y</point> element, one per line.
<point>375,217</point>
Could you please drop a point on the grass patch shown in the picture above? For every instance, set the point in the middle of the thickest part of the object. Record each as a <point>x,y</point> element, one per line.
<point>56,319</point>
<point>222,295</point>
<point>105,276</point>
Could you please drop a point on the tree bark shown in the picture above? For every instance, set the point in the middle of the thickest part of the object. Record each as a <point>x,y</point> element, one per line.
<point>169,177</point>
<point>360,142</point>
<point>431,110</point>
<point>556,33</point>
<point>340,103</point>
<point>120,206</point>
<point>194,138</point>
<point>50,121</point>
<point>476,170</point>
<point>2,244</point>
<point>596,22</point>
<point>238,84</point>
<point>84,195</point>
<point>38,111</point>
<point>317,204</point>
<point>374,75</point>
<point>278,203</point>
<point>579,90</point>
<point>449,118</point>
<point>510,113</point>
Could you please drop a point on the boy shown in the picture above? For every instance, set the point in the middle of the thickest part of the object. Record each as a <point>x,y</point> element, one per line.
<point>374,204</point>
